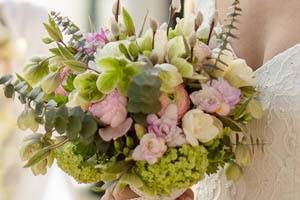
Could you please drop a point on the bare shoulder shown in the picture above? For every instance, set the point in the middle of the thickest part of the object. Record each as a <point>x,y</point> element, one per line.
<point>282,28</point>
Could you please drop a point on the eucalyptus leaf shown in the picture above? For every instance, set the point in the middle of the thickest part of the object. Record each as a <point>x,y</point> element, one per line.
<point>54,33</point>
<point>9,91</point>
<point>5,79</point>
<point>73,128</point>
<point>89,127</point>
<point>37,157</point>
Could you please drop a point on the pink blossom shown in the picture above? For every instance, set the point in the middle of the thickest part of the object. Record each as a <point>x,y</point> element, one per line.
<point>180,97</point>
<point>95,40</point>
<point>150,149</point>
<point>166,127</point>
<point>112,110</point>
<point>109,133</point>
<point>60,90</point>
<point>216,97</point>
<point>231,95</point>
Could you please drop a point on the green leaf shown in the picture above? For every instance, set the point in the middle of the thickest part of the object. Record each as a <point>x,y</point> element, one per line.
<point>239,111</point>
<point>130,29</point>
<point>86,85</point>
<point>60,125</point>
<point>35,93</point>
<point>107,81</point>
<point>134,50</point>
<point>146,44</point>
<point>144,93</point>
<point>111,64</point>
<point>35,72</point>
<point>65,52</point>
<point>5,79</point>
<point>37,157</point>
<point>27,120</point>
<point>54,33</point>
<point>89,127</point>
<point>73,128</point>
<point>233,125</point>
<point>132,179</point>
<point>75,66</point>
<point>48,40</point>
<point>9,91</point>
<point>185,68</point>
<point>51,82</point>
<point>124,50</point>
<point>50,116</point>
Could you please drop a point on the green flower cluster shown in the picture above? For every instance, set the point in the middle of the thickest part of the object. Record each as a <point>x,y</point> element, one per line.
<point>178,169</point>
<point>74,166</point>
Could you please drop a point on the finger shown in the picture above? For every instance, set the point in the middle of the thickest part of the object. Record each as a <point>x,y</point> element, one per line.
<point>187,195</point>
<point>124,194</point>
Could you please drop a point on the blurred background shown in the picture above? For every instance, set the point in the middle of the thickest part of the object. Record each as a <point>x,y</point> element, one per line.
<point>21,31</point>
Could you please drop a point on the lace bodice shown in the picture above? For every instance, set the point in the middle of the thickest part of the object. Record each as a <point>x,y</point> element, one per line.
<point>274,174</point>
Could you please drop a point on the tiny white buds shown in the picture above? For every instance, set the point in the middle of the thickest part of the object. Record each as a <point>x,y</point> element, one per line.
<point>193,40</point>
<point>176,5</point>
<point>153,25</point>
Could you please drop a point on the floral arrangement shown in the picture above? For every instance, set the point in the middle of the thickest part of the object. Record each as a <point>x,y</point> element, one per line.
<point>155,110</point>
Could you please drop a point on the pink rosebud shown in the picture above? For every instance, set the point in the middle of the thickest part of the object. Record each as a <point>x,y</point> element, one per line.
<point>150,149</point>
<point>63,75</point>
<point>107,134</point>
<point>231,95</point>
<point>112,110</point>
<point>179,97</point>
<point>166,127</point>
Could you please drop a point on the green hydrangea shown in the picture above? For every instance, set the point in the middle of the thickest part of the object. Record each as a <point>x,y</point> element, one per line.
<point>73,165</point>
<point>178,169</point>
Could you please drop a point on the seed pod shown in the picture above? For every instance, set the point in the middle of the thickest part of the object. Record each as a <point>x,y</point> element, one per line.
<point>193,40</point>
<point>198,20</point>
<point>153,25</point>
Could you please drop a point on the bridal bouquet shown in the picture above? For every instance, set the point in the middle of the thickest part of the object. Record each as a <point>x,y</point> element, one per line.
<point>155,110</point>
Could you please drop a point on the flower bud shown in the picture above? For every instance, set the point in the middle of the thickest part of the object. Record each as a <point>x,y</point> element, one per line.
<point>193,40</point>
<point>176,5</point>
<point>153,25</point>
<point>243,155</point>
<point>139,130</point>
<point>114,26</point>
<point>115,8</point>
<point>198,20</point>
<point>233,172</point>
<point>154,58</point>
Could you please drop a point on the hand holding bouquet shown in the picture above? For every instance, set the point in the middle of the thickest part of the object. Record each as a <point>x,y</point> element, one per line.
<point>154,111</point>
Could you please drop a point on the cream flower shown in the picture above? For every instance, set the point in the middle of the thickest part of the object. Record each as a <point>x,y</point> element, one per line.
<point>237,73</point>
<point>199,126</point>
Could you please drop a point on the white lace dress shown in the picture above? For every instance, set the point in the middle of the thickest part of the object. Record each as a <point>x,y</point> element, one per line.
<point>274,174</point>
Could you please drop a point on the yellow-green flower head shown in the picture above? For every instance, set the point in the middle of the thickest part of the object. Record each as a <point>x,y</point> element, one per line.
<point>178,169</point>
<point>73,165</point>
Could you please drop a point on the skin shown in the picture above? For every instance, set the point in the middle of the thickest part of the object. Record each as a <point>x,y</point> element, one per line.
<point>267,28</point>
<point>127,194</point>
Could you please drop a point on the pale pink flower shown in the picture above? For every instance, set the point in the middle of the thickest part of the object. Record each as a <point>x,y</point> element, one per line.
<point>231,95</point>
<point>112,110</point>
<point>95,40</point>
<point>60,90</point>
<point>180,97</point>
<point>150,149</point>
<point>110,133</point>
<point>216,99</point>
<point>166,127</point>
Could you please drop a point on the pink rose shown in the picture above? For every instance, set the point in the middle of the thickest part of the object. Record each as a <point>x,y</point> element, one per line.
<point>150,149</point>
<point>60,90</point>
<point>112,110</point>
<point>110,133</point>
<point>180,97</point>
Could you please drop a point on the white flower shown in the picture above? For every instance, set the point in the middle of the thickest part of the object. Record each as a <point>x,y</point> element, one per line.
<point>198,125</point>
<point>237,72</point>
<point>160,43</point>
<point>176,5</point>
<point>185,26</point>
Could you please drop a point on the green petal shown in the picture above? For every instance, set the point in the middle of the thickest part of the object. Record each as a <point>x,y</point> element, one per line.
<point>107,82</point>
<point>184,67</point>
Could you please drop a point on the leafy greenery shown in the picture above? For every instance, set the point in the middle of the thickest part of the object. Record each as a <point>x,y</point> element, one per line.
<point>116,73</point>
